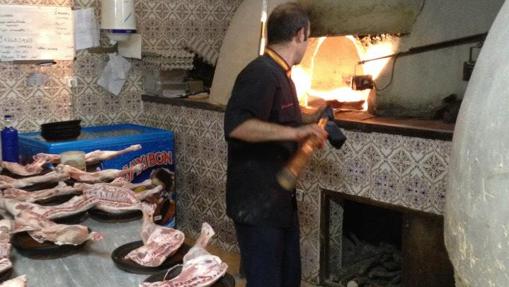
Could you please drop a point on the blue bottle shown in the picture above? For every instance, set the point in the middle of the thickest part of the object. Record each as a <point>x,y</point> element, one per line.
<point>10,151</point>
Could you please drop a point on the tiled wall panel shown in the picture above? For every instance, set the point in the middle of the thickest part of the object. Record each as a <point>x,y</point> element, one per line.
<point>404,171</point>
<point>164,24</point>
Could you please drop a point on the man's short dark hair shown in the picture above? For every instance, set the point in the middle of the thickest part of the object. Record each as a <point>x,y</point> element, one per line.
<point>285,21</point>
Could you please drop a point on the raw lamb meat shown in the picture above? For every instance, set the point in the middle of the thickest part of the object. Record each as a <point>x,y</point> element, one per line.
<point>142,195</point>
<point>5,250</point>
<point>20,281</point>
<point>122,182</point>
<point>5,230</point>
<point>32,196</point>
<point>159,242</point>
<point>42,229</point>
<point>33,168</point>
<point>98,155</point>
<point>49,158</point>
<point>98,176</point>
<point>5,264</point>
<point>200,268</point>
<point>54,176</point>
<point>5,245</point>
<point>91,157</point>
<point>6,181</point>
<point>201,243</point>
<point>103,196</point>
<point>112,199</point>
<point>75,205</point>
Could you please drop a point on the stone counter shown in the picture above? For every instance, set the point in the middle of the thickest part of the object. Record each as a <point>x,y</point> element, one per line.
<point>91,267</point>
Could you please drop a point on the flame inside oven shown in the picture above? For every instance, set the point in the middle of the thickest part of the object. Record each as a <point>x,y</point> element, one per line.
<point>329,64</point>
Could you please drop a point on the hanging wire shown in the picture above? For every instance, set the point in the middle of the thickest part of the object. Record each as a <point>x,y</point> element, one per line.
<point>421,8</point>
<point>392,76</point>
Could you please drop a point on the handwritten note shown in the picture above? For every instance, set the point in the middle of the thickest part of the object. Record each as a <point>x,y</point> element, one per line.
<point>36,33</point>
<point>86,30</point>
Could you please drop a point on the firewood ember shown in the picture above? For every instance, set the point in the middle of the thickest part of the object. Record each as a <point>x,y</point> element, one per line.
<point>357,105</point>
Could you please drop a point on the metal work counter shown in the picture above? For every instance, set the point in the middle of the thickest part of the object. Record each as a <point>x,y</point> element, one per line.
<point>91,267</point>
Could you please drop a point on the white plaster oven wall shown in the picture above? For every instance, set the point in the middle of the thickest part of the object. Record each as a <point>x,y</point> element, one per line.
<point>477,213</point>
<point>421,81</point>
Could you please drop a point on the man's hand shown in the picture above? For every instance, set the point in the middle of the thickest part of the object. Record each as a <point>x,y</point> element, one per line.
<point>314,110</point>
<point>304,132</point>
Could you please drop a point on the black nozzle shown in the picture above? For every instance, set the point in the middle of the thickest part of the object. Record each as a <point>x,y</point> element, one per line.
<point>336,137</point>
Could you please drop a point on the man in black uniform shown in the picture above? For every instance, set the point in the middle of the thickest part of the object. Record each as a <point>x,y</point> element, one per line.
<point>263,127</point>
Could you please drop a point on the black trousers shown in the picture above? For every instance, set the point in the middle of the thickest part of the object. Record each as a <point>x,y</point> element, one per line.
<point>270,256</point>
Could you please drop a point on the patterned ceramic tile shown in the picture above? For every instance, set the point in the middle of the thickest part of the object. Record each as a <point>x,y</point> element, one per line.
<point>335,236</point>
<point>403,171</point>
<point>164,25</point>
<point>167,26</point>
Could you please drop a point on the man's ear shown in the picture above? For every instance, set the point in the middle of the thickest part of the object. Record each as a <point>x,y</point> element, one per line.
<point>301,35</point>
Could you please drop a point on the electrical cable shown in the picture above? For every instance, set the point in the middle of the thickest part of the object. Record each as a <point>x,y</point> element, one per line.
<point>421,8</point>
<point>392,76</point>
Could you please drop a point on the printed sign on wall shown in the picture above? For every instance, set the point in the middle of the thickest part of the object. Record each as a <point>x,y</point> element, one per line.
<point>36,33</point>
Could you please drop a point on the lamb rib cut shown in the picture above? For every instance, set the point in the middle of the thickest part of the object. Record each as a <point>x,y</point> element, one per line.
<point>33,168</point>
<point>54,176</point>
<point>5,244</point>
<point>75,205</point>
<point>5,264</point>
<point>200,268</point>
<point>20,281</point>
<point>98,176</point>
<point>110,198</point>
<point>42,229</point>
<point>159,242</point>
<point>33,196</point>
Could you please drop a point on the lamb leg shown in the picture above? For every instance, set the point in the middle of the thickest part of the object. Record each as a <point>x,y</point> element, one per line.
<point>91,157</point>
<point>98,155</point>
<point>33,168</point>
<point>98,176</point>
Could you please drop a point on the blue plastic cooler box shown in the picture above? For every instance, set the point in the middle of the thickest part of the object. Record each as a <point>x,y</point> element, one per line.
<point>158,148</point>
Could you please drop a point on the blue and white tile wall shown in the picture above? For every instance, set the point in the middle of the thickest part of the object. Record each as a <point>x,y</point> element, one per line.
<point>404,171</point>
<point>164,24</point>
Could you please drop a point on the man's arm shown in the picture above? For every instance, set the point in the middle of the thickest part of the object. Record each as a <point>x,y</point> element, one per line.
<point>254,130</point>
<point>314,110</point>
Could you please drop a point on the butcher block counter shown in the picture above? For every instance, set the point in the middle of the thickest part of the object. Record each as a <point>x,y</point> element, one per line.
<point>92,266</point>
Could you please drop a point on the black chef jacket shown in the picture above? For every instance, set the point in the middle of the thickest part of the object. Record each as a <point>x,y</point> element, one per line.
<point>264,91</point>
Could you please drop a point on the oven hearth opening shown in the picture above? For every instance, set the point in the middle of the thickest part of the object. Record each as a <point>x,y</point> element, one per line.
<point>368,243</point>
<point>331,70</point>
<point>364,245</point>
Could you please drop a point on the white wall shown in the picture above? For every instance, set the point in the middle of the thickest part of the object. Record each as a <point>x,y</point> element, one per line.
<point>422,80</point>
<point>477,213</point>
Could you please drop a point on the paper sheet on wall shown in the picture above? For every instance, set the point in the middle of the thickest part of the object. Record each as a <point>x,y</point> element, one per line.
<point>115,74</point>
<point>86,30</point>
<point>131,48</point>
<point>36,33</point>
